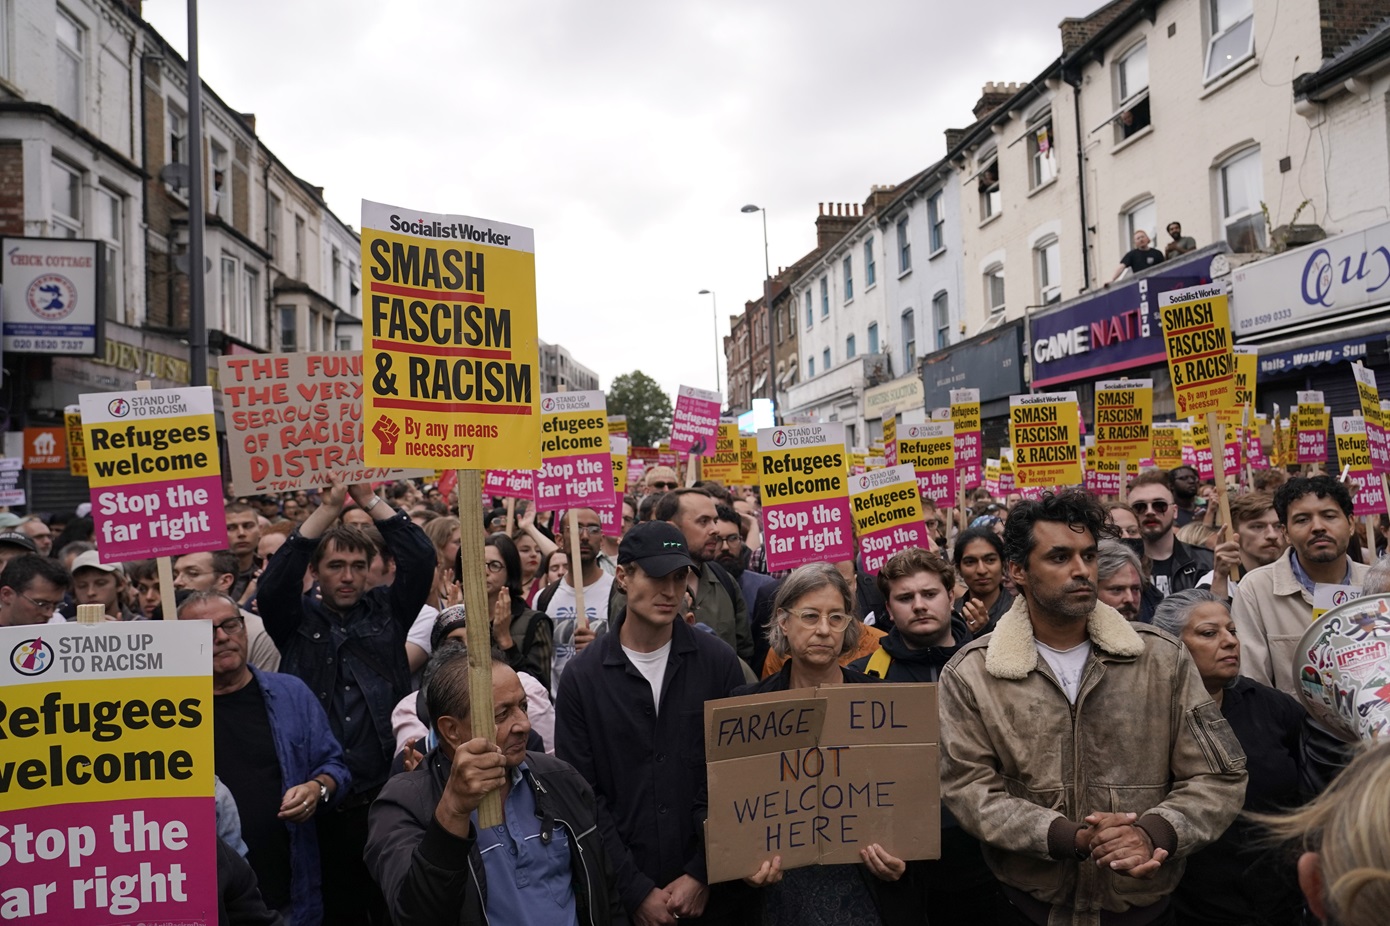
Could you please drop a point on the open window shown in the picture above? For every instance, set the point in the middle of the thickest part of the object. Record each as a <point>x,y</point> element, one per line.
<point>1232,29</point>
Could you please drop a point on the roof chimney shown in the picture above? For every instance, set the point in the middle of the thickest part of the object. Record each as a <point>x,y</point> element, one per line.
<point>992,97</point>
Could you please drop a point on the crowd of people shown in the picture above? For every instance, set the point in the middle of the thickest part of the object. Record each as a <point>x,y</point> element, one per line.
<point>1121,735</point>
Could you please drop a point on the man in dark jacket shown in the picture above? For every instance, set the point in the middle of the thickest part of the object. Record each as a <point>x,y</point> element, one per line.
<point>349,648</point>
<point>1176,566</point>
<point>544,864</point>
<point>630,718</point>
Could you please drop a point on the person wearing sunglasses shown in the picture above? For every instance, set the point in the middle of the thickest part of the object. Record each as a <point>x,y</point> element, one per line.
<point>660,479</point>
<point>1176,566</point>
<point>32,588</point>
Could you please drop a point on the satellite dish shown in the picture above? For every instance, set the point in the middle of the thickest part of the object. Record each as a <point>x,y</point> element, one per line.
<point>176,175</point>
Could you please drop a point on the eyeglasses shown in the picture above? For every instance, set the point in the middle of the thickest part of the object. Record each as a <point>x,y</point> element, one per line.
<point>495,565</point>
<point>838,620</point>
<point>49,606</point>
<point>731,541</point>
<point>1159,506</point>
<point>230,626</point>
<point>664,485</point>
<point>593,530</point>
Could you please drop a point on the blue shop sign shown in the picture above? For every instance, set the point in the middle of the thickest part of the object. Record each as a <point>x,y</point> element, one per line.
<point>1289,361</point>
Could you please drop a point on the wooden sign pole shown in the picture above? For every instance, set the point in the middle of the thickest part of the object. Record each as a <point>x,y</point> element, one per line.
<point>576,571</point>
<point>1124,481</point>
<point>1222,498</point>
<point>478,623</point>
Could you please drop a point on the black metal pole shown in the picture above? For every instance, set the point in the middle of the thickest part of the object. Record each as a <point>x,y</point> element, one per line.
<point>197,274</point>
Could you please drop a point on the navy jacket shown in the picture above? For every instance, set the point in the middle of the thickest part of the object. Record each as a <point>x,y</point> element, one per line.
<point>306,748</point>
<point>647,769</point>
<point>315,640</point>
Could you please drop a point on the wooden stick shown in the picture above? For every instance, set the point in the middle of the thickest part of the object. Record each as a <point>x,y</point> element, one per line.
<point>1124,480</point>
<point>1222,499</point>
<point>960,512</point>
<point>478,625</point>
<point>691,473</point>
<point>510,504</point>
<point>576,572</point>
<point>1369,557</point>
<point>91,613</point>
<point>168,602</point>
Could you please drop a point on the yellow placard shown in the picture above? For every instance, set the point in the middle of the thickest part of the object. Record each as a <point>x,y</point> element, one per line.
<point>1197,340</point>
<point>450,352</point>
<point>748,460</point>
<point>1168,439</point>
<point>1045,434</point>
<point>617,425</point>
<point>77,447</point>
<point>617,448</point>
<point>1124,420</point>
<point>890,438</point>
<point>1247,371</point>
<point>726,465</point>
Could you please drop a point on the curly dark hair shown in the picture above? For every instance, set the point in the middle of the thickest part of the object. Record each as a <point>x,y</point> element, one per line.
<point>1076,508</point>
<point>1321,486</point>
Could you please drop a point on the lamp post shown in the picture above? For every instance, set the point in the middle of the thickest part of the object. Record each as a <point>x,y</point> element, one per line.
<point>714,308</point>
<point>767,306</point>
<point>197,280</point>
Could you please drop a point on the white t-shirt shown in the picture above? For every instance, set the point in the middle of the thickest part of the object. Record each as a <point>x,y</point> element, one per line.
<point>653,668</point>
<point>1068,665</point>
<point>561,611</point>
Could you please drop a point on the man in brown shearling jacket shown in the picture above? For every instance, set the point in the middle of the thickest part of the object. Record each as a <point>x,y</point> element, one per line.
<point>1080,749</point>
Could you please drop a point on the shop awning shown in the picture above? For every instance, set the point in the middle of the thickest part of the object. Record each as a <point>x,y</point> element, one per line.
<point>1311,350</point>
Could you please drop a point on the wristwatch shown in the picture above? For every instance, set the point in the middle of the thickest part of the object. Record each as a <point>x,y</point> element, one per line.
<point>323,793</point>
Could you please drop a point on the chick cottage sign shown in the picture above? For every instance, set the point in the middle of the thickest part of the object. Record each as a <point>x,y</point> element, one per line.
<point>52,295</point>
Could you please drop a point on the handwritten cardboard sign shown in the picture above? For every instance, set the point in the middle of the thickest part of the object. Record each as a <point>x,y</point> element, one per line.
<point>815,775</point>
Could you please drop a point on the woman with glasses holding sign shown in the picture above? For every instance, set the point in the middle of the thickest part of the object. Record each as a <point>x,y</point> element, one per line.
<point>813,625</point>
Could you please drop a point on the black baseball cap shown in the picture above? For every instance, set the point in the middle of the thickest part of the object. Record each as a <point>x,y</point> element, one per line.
<point>657,546</point>
<point>18,539</point>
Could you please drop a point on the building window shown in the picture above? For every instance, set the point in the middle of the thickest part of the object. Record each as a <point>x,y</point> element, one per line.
<point>336,285</point>
<point>245,324</point>
<point>108,215</point>
<point>904,247</point>
<point>1241,191</point>
<point>289,328</point>
<point>941,320</point>
<point>228,301</point>
<point>299,247</point>
<point>273,228</point>
<point>825,359</point>
<point>873,338</point>
<point>1232,35</point>
<point>1142,216</point>
<point>909,329</point>
<point>1041,153</point>
<point>1047,255</point>
<point>824,297</point>
<point>313,330</point>
<point>178,135</point>
<point>990,200</point>
<point>70,74</point>
<point>870,270</point>
<point>847,266</point>
<point>1132,84</point>
<point>849,347</point>
<point>810,313</point>
<point>66,201</point>
<point>936,218</point>
<point>344,342</point>
<point>810,367</point>
<point>221,179</point>
<point>994,290</point>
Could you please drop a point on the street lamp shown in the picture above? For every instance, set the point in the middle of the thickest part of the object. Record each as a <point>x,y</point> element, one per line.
<point>767,306</point>
<point>714,306</point>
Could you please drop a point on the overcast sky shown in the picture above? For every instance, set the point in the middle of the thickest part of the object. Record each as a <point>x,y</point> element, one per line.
<point>626,132</point>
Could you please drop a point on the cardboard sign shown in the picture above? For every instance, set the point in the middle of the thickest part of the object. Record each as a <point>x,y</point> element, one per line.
<point>111,776</point>
<point>154,473</point>
<point>1369,397</point>
<point>1312,428</point>
<point>1354,454</point>
<point>970,442</point>
<point>695,421</point>
<point>77,449</point>
<point>508,483</point>
<point>576,462</point>
<point>1124,419</point>
<point>10,470</point>
<point>890,438</point>
<point>1197,340</point>
<point>803,472</point>
<point>294,421</point>
<point>1247,371</point>
<point>726,465</point>
<point>617,426</point>
<point>992,477</point>
<point>46,447</point>
<point>1045,433</point>
<point>450,352</point>
<point>887,514</point>
<point>930,449</point>
<point>748,460</point>
<point>815,775</point>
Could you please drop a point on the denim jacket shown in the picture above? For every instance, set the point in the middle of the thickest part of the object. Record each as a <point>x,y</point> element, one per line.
<point>306,748</point>
<point>315,640</point>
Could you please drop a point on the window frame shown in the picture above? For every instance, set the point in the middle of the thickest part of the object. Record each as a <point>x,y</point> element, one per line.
<point>872,334</point>
<point>1215,36</point>
<point>250,299</point>
<point>870,266</point>
<point>1041,121</point>
<point>826,360</point>
<point>936,221</point>
<point>990,191</point>
<point>941,319</point>
<point>1130,228</point>
<point>229,300</point>
<point>825,296</point>
<point>810,310</point>
<point>908,328</point>
<point>114,247</point>
<point>290,313</point>
<point>1138,97</point>
<point>301,237</point>
<point>992,273</point>
<point>76,184</point>
<point>904,246</point>
<point>850,347</point>
<point>1253,216</point>
<point>78,57</point>
<point>847,269</point>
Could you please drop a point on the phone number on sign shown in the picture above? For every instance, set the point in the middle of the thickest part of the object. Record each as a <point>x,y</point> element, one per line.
<point>1267,318</point>
<point>49,344</point>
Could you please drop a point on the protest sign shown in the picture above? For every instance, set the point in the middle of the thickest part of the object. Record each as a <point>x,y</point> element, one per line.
<point>1369,397</point>
<point>930,448</point>
<point>1202,457</point>
<point>1254,443</point>
<point>1167,443</point>
<point>1197,340</point>
<point>890,438</point>
<point>1124,419</point>
<point>10,470</point>
<point>726,466</point>
<point>803,472</point>
<point>617,426</point>
<point>1327,596</point>
<point>1341,666</point>
<point>887,514</point>
<point>665,456</point>
<point>505,483</point>
<point>1045,434</point>
<point>1354,456</point>
<point>46,447</point>
<point>695,421</point>
<point>1247,370</point>
<point>617,452</point>
<point>992,476</point>
<point>77,449</point>
<point>1007,482</point>
<point>858,463</point>
<point>970,443</point>
<point>1312,428</point>
<point>576,462</point>
<point>1102,476</point>
<point>450,354</point>
<point>107,775</point>
<point>154,472</point>
<point>748,460</point>
<point>816,775</point>
<point>1230,449</point>
<point>294,421</point>
<point>611,518</point>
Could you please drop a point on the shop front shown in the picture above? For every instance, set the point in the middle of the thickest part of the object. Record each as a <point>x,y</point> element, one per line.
<point>992,363</point>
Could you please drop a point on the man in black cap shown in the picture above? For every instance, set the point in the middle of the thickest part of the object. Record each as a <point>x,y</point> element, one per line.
<point>630,716</point>
<point>14,543</point>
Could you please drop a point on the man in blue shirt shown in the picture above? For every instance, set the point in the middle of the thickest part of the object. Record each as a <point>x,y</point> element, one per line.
<point>544,864</point>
